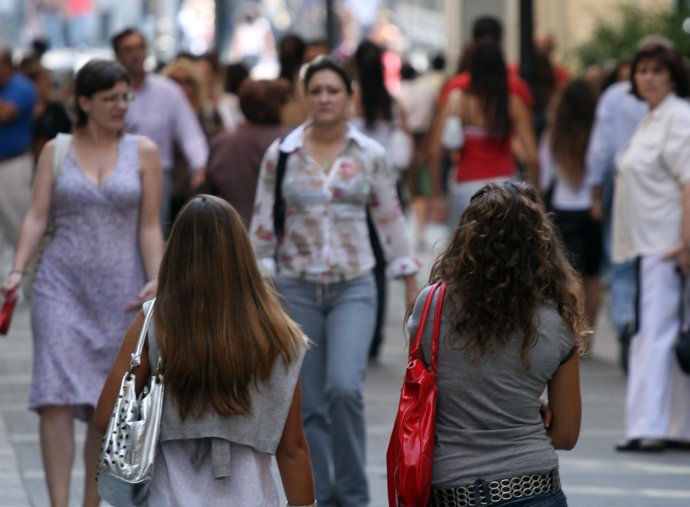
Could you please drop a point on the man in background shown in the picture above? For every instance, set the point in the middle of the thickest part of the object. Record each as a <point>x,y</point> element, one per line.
<point>17,100</point>
<point>160,111</point>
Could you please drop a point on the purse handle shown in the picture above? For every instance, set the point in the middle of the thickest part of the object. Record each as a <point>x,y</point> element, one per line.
<point>439,287</point>
<point>136,355</point>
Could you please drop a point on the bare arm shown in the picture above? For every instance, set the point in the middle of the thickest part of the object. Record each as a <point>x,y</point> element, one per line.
<point>8,111</point>
<point>111,387</point>
<point>565,404</point>
<point>293,458</point>
<point>36,219</point>
<point>150,235</point>
<point>525,139</point>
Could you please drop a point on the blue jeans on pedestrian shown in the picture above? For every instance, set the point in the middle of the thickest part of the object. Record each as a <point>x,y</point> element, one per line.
<point>339,320</point>
<point>622,289</point>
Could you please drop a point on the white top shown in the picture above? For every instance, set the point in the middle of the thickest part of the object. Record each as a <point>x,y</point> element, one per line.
<point>183,476</point>
<point>418,97</point>
<point>565,197</point>
<point>618,114</point>
<point>647,217</point>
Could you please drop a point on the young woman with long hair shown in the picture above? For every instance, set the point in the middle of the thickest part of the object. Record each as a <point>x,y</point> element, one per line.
<point>495,122</point>
<point>377,114</point>
<point>509,330</point>
<point>230,363</point>
<point>562,173</point>
<point>333,174</point>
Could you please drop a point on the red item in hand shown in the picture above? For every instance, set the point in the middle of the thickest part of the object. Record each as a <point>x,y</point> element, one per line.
<point>6,312</point>
<point>410,455</point>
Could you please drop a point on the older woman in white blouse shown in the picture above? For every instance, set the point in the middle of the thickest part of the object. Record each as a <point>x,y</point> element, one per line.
<point>652,224</point>
<point>334,175</point>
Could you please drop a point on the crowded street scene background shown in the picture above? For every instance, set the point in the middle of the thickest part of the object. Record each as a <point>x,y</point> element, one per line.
<point>265,169</point>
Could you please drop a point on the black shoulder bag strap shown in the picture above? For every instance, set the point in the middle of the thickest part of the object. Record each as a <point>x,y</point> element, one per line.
<point>278,202</point>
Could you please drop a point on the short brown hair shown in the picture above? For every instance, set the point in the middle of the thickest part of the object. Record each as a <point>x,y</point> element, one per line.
<point>669,58</point>
<point>262,100</point>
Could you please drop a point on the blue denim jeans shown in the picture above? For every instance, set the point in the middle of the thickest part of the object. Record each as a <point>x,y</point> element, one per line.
<point>339,320</point>
<point>622,292</point>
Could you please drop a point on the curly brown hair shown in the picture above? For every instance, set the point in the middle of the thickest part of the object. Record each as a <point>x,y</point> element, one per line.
<point>505,260</point>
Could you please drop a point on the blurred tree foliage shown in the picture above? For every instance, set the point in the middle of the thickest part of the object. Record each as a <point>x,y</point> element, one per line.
<point>616,39</point>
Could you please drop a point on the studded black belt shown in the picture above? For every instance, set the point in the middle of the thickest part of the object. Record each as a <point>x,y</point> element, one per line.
<point>492,492</point>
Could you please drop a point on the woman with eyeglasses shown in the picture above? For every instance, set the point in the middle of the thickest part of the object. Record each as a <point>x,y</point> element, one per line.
<point>321,260</point>
<point>99,265</point>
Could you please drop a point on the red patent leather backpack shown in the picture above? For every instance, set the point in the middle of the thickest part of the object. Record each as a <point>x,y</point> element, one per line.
<point>410,453</point>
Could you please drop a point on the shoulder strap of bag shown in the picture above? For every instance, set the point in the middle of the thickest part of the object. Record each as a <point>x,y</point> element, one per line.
<point>62,142</point>
<point>136,355</point>
<point>439,287</point>
<point>278,202</point>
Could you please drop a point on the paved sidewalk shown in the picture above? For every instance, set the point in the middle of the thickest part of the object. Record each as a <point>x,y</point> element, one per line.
<point>593,474</point>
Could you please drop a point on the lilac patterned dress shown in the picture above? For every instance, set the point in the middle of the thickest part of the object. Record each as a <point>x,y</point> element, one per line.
<point>89,271</point>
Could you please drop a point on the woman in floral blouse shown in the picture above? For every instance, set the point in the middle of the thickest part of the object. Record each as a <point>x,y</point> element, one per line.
<point>321,263</point>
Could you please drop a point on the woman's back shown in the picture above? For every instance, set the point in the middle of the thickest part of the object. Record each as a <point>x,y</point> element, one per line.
<point>488,422</point>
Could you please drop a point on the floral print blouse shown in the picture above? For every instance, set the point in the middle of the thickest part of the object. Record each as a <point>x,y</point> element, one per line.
<point>325,230</point>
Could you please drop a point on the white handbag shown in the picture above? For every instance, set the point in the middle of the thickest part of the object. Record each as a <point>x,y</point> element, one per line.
<point>400,144</point>
<point>452,137</point>
<point>131,440</point>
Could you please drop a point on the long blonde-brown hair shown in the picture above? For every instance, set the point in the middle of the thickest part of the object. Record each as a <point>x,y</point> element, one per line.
<point>219,326</point>
<point>571,128</point>
<point>505,260</point>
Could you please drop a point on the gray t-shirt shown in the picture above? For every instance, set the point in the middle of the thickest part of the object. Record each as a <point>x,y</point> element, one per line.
<point>488,423</point>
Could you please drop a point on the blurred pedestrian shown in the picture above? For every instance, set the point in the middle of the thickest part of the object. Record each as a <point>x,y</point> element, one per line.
<point>291,55</point>
<point>618,114</point>
<point>321,259</point>
<point>252,41</point>
<point>235,158</point>
<point>230,367</point>
<point>50,116</point>
<point>100,264</point>
<point>492,114</point>
<point>509,331</point>
<point>17,102</point>
<point>484,29</point>
<point>652,225</point>
<point>419,97</point>
<point>160,111</point>
<point>562,166</point>
<point>379,116</point>
<point>229,102</point>
<point>186,74</point>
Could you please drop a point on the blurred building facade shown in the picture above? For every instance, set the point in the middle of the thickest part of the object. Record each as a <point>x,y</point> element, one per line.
<point>424,26</point>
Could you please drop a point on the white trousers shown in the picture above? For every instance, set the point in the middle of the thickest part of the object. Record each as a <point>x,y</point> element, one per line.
<point>658,392</point>
<point>15,195</point>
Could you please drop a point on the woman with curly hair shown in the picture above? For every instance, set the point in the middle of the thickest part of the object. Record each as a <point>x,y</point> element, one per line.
<point>511,324</point>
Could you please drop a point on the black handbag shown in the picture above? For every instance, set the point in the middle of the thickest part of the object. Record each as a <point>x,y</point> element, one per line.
<point>682,345</point>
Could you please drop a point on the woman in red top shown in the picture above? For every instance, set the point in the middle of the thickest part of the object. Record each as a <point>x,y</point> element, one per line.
<point>495,122</point>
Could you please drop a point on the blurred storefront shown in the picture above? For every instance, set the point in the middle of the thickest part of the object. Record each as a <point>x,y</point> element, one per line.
<point>416,28</point>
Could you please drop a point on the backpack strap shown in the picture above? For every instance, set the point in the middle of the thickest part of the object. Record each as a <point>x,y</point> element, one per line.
<point>62,142</point>
<point>278,201</point>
